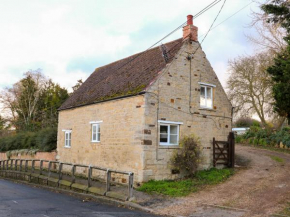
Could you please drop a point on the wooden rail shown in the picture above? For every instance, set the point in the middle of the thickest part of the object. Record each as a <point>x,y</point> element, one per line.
<point>16,165</point>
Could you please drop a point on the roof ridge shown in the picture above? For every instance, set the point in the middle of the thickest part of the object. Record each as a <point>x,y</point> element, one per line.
<point>110,80</point>
<point>136,54</point>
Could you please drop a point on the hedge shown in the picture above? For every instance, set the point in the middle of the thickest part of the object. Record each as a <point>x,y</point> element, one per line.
<point>43,140</point>
<point>258,136</point>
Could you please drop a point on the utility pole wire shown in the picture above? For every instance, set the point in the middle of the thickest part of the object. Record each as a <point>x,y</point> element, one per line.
<point>195,16</point>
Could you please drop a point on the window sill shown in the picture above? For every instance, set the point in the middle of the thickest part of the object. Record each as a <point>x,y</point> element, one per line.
<point>95,141</point>
<point>67,147</point>
<point>169,146</point>
<point>207,109</point>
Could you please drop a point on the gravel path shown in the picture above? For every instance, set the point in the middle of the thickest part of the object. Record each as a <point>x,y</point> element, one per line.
<point>261,188</point>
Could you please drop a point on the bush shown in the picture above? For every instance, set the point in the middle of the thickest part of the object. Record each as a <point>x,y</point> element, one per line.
<point>44,140</point>
<point>282,136</point>
<point>256,141</point>
<point>244,122</point>
<point>238,139</point>
<point>187,158</point>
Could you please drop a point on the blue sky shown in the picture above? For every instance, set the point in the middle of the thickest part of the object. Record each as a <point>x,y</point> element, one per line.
<point>68,39</point>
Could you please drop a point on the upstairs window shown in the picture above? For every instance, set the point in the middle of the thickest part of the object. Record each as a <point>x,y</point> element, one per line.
<point>67,139</point>
<point>206,95</point>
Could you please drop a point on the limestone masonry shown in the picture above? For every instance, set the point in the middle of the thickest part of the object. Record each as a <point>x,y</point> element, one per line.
<point>140,131</point>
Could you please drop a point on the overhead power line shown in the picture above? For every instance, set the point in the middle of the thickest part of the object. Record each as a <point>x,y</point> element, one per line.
<point>209,28</point>
<point>229,17</point>
<point>195,16</point>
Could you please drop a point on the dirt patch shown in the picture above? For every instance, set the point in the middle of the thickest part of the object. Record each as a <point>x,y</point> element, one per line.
<point>261,186</point>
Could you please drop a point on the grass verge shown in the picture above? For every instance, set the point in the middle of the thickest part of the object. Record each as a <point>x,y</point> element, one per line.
<point>277,159</point>
<point>184,187</point>
<point>286,210</point>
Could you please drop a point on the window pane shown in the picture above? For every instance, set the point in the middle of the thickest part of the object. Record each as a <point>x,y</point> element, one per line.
<point>99,137</point>
<point>99,128</point>
<point>173,129</point>
<point>69,143</point>
<point>69,134</point>
<point>163,138</point>
<point>202,96</point>
<point>173,139</point>
<point>164,129</point>
<point>164,134</point>
<point>209,103</point>
<point>94,137</point>
<point>94,128</point>
<point>208,92</point>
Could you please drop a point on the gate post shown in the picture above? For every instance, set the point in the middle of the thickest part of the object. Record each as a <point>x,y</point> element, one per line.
<point>231,150</point>
<point>213,157</point>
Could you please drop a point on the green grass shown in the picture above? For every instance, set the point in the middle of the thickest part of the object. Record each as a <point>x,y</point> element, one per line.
<point>184,187</point>
<point>286,211</point>
<point>277,159</point>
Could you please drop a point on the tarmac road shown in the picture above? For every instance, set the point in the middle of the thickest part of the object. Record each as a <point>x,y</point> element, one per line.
<point>23,200</point>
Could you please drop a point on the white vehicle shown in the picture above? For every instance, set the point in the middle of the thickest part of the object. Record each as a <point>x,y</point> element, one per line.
<point>240,130</point>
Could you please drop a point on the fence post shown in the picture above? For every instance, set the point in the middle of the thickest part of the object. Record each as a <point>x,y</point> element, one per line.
<point>26,165</point>
<point>40,167</point>
<point>108,180</point>
<point>233,148</point>
<point>11,164</point>
<point>16,161</point>
<point>20,166</point>
<point>89,176</point>
<point>73,171</point>
<point>229,151</point>
<point>59,172</point>
<point>49,168</point>
<point>214,161</point>
<point>130,187</point>
<point>32,169</point>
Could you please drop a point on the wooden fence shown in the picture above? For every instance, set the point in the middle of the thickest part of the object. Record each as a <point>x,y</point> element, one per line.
<point>45,171</point>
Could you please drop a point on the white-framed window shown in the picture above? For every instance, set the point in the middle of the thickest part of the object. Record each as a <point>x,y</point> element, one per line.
<point>169,133</point>
<point>67,138</point>
<point>96,131</point>
<point>206,96</point>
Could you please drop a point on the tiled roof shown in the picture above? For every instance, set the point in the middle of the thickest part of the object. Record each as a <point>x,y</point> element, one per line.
<point>124,77</point>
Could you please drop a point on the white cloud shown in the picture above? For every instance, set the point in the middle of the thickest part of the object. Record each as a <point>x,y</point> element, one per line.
<point>52,34</point>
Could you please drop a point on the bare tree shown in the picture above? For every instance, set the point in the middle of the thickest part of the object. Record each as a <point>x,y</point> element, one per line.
<point>269,35</point>
<point>250,86</point>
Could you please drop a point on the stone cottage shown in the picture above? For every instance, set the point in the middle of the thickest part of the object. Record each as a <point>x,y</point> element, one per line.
<point>131,114</point>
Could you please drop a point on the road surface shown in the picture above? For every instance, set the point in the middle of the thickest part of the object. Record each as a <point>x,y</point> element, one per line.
<point>24,200</point>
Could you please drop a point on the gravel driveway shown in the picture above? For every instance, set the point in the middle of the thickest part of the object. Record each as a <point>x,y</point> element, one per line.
<point>261,187</point>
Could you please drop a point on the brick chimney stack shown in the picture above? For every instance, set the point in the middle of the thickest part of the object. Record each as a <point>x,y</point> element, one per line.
<point>190,31</point>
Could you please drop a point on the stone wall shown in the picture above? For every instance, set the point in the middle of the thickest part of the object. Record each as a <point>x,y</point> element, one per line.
<point>38,156</point>
<point>121,141</point>
<point>173,88</point>
<point>129,128</point>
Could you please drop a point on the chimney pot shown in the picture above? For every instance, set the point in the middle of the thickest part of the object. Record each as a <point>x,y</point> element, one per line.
<point>190,31</point>
<point>189,20</point>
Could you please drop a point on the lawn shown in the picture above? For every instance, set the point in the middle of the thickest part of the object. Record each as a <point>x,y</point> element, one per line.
<point>186,186</point>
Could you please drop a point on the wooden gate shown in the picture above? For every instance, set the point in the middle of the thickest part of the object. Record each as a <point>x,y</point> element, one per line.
<point>224,151</point>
